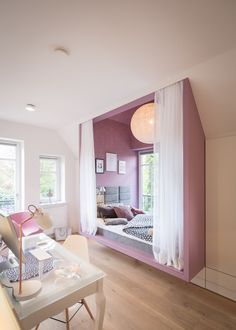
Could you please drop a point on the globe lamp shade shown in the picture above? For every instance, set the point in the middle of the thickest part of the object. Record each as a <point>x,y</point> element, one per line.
<point>142,123</point>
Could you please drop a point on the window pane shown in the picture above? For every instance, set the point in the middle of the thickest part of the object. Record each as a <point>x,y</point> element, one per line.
<point>7,151</point>
<point>147,187</point>
<point>147,180</point>
<point>48,186</point>
<point>147,203</point>
<point>147,169</point>
<point>48,165</point>
<point>147,158</point>
<point>7,185</point>
<point>49,180</point>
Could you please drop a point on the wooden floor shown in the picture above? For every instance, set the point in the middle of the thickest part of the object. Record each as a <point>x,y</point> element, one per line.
<point>139,297</point>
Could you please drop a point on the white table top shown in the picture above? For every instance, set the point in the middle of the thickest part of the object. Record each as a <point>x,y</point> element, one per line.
<point>55,287</point>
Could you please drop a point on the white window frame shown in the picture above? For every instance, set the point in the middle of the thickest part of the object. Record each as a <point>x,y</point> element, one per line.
<point>19,194</point>
<point>142,152</point>
<point>60,179</point>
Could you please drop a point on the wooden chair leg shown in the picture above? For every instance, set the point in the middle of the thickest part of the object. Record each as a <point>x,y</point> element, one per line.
<point>67,319</point>
<point>37,326</point>
<point>88,309</point>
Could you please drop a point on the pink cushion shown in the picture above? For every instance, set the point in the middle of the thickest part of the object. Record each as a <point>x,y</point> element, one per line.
<point>123,212</point>
<point>137,211</point>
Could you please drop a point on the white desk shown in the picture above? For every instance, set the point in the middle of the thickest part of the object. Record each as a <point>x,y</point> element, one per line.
<point>58,293</point>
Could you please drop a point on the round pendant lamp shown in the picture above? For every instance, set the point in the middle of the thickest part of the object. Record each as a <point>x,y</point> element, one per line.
<point>142,123</point>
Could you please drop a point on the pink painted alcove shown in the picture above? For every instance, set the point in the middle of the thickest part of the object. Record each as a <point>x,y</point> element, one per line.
<point>194,190</point>
<point>194,185</point>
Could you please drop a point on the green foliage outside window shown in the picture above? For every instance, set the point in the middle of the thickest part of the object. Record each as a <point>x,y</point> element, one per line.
<point>7,177</point>
<point>147,172</point>
<point>48,179</point>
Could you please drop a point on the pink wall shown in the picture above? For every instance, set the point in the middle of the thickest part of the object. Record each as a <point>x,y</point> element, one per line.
<point>115,137</point>
<point>137,145</point>
<point>194,185</point>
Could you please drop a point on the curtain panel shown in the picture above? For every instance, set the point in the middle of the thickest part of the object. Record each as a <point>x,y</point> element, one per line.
<point>87,180</point>
<point>168,177</point>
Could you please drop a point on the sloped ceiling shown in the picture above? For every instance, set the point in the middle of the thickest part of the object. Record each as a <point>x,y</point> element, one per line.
<point>124,117</point>
<point>214,87</point>
<point>118,51</point>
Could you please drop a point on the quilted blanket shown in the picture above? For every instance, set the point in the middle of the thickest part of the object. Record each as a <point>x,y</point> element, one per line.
<point>139,227</point>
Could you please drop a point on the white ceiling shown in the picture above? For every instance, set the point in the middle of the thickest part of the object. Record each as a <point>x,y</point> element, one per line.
<point>119,51</point>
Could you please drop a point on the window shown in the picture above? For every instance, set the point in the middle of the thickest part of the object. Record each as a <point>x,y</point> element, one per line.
<point>146,167</point>
<point>10,176</point>
<point>50,179</point>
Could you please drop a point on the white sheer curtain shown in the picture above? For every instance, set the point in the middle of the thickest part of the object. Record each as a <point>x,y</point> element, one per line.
<point>87,180</point>
<point>168,177</point>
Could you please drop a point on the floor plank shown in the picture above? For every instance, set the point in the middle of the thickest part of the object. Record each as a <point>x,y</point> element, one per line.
<point>139,297</point>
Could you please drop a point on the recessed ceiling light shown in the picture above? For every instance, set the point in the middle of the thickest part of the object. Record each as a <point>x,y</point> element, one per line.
<point>62,50</point>
<point>30,107</point>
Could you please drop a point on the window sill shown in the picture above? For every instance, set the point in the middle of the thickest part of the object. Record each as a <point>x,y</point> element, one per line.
<point>52,205</point>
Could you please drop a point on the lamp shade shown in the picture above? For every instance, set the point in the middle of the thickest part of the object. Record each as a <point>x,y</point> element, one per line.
<point>30,288</point>
<point>142,123</point>
<point>102,189</point>
<point>43,219</point>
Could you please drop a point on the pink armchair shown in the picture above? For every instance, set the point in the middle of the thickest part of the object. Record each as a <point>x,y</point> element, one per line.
<point>29,227</point>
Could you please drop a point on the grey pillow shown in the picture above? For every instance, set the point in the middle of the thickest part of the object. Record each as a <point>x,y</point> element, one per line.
<point>106,211</point>
<point>115,221</point>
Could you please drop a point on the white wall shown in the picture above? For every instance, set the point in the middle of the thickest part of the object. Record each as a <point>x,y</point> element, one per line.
<point>221,204</point>
<point>220,273</point>
<point>40,141</point>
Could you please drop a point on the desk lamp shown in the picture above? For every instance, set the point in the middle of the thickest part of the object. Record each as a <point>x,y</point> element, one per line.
<point>29,288</point>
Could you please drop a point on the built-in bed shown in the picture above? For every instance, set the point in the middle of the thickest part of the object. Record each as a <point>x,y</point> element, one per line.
<point>136,233</point>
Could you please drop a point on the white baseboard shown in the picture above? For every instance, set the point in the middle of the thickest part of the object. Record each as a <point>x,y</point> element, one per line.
<point>199,279</point>
<point>216,281</point>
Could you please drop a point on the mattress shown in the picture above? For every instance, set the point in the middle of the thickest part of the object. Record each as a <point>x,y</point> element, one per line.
<point>115,232</point>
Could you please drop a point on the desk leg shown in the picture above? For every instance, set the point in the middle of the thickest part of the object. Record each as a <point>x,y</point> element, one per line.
<point>100,306</point>
<point>67,319</point>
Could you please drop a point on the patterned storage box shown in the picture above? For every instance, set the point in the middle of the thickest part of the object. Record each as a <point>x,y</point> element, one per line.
<point>30,268</point>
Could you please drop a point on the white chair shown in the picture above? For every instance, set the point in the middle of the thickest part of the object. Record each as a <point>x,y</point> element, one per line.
<point>78,245</point>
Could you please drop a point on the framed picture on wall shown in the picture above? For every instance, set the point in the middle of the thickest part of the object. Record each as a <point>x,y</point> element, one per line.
<point>99,165</point>
<point>122,167</point>
<point>111,162</point>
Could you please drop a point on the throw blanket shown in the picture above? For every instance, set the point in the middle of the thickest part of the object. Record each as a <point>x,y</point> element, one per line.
<point>139,227</point>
